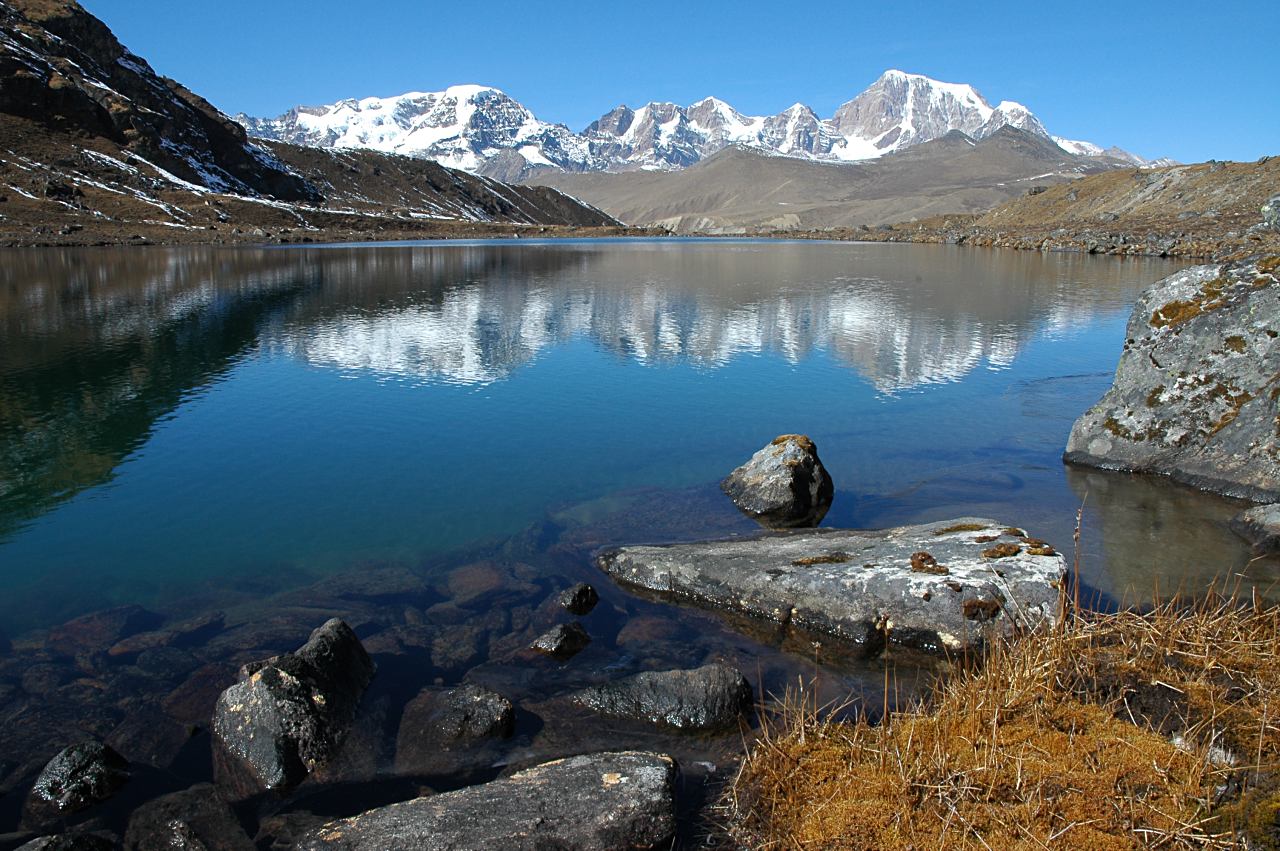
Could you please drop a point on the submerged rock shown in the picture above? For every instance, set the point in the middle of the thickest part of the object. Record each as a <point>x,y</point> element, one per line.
<point>580,599</point>
<point>864,586</point>
<point>77,778</point>
<point>195,819</point>
<point>598,801</point>
<point>287,715</point>
<point>782,486</point>
<point>71,842</point>
<point>707,698</point>
<point>1194,395</point>
<point>562,642</point>
<point>1259,526</point>
<point>436,722</point>
<point>99,631</point>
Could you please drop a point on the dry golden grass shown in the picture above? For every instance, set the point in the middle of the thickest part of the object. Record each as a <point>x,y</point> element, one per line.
<point>1062,740</point>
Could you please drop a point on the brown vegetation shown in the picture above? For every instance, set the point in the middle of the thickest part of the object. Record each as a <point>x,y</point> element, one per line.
<point>1114,731</point>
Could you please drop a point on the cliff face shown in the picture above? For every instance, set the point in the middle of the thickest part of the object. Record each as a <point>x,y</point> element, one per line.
<point>62,68</point>
<point>1195,393</point>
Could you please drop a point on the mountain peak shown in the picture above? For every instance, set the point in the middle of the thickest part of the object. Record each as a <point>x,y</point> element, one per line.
<point>478,127</point>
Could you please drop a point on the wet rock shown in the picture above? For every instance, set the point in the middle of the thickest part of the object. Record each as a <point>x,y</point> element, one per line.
<point>195,819</point>
<point>1194,394</point>
<point>562,642</point>
<point>580,599</point>
<point>77,778</point>
<point>98,631</point>
<point>782,486</point>
<point>288,715</point>
<point>707,698</point>
<point>1259,526</point>
<point>441,721</point>
<point>71,842</point>
<point>859,586</point>
<point>597,801</point>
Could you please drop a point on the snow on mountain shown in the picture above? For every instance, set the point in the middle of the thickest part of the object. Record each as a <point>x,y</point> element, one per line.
<point>481,129</point>
<point>461,127</point>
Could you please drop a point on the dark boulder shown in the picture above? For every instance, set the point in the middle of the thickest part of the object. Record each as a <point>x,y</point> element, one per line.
<point>6,646</point>
<point>597,801</point>
<point>99,631</point>
<point>562,642</point>
<point>1259,526</point>
<point>707,698</point>
<point>288,715</point>
<point>783,486</point>
<point>195,819</point>
<point>580,599</point>
<point>437,722</point>
<point>77,778</point>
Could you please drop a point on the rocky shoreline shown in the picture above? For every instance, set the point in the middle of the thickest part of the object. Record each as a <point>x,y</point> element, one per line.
<point>572,712</point>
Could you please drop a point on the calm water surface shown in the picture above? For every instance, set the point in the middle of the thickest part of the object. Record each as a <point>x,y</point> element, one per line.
<point>176,424</point>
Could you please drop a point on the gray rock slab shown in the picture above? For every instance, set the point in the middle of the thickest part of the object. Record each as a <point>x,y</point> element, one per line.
<point>596,801</point>
<point>707,698</point>
<point>861,586</point>
<point>1259,526</point>
<point>1195,392</point>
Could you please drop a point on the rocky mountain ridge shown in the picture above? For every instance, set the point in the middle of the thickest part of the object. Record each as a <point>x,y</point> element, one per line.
<point>741,189</point>
<point>96,146</point>
<point>483,130</point>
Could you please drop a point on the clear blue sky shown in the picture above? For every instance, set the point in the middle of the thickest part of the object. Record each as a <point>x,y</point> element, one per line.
<point>1190,80</point>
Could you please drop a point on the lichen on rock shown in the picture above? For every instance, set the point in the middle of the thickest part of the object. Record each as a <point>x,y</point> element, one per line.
<point>1194,395</point>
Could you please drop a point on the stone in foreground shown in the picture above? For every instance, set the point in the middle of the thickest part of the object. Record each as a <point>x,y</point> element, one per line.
<point>563,642</point>
<point>436,722</point>
<point>1259,526</point>
<point>195,818</point>
<point>783,486</point>
<point>287,715</point>
<point>598,801</point>
<point>1194,395</point>
<point>707,698</point>
<point>580,599</point>
<point>936,586</point>
<point>77,778</point>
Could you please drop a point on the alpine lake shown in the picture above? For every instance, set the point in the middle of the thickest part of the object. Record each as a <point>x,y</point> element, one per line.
<point>431,440</point>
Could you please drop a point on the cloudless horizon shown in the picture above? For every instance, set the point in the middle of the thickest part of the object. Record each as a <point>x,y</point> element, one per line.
<point>1172,79</point>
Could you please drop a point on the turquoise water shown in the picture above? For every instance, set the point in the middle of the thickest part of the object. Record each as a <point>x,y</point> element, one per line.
<point>175,423</point>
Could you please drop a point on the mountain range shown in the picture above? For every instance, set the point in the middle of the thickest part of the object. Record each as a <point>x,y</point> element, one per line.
<point>483,130</point>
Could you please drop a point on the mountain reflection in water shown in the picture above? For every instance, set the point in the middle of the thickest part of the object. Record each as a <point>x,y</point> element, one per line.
<point>325,406</point>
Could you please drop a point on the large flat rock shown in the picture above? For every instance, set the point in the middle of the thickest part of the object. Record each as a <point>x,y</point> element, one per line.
<point>597,801</point>
<point>1194,395</point>
<point>970,576</point>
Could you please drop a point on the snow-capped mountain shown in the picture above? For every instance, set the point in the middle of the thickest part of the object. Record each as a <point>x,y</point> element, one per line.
<point>461,127</point>
<point>481,129</point>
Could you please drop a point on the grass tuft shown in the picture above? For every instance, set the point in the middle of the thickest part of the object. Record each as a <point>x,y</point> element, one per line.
<point>1111,731</point>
